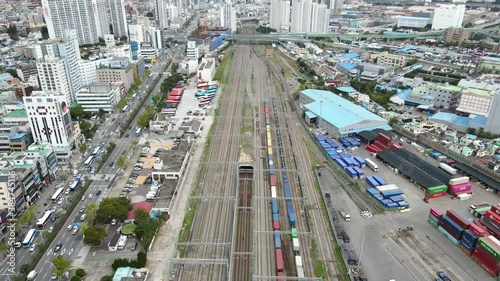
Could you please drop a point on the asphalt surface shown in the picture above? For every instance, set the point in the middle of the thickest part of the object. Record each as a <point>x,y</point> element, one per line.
<point>72,244</point>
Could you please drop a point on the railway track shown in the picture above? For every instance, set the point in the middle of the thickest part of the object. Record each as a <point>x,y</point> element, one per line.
<point>211,232</point>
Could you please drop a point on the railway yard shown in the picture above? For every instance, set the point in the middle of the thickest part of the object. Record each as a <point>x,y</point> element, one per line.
<point>258,210</point>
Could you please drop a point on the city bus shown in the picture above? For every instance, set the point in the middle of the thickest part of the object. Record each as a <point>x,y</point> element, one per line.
<point>89,161</point>
<point>134,95</point>
<point>57,194</point>
<point>96,151</point>
<point>204,102</point>
<point>43,221</point>
<point>202,86</point>
<point>125,108</point>
<point>138,132</point>
<point>74,184</point>
<point>213,83</point>
<point>28,239</point>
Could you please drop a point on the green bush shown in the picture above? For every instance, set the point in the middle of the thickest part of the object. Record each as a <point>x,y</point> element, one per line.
<point>107,278</point>
<point>80,272</point>
<point>76,278</point>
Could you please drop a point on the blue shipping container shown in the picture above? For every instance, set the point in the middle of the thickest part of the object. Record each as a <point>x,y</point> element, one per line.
<point>350,171</point>
<point>292,220</point>
<point>324,144</point>
<point>389,193</point>
<point>277,241</point>
<point>469,239</point>
<point>372,191</point>
<point>276,217</point>
<point>334,157</point>
<point>288,191</point>
<point>392,205</point>
<point>320,138</point>
<point>453,226</point>
<point>275,206</point>
<point>372,182</point>
<point>380,180</point>
<point>360,161</point>
<point>341,163</point>
<point>289,206</point>
<point>379,197</point>
<point>347,161</point>
<point>396,199</point>
<point>359,172</point>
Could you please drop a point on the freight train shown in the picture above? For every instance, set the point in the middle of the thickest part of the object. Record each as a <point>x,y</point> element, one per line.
<point>288,197</point>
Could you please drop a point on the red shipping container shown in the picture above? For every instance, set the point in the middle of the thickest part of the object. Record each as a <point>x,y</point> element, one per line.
<point>478,230</point>
<point>276,225</point>
<point>397,146</point>
<point>281,274</point>
<point>458,219</point>
<point>379,145</point>
<point>272,180</point>
<point>383,139</point>
<point>465,250</point>
<point>491,229</point>
<point>495,209</point>
<point>486,260</point>
<point>279,261</point>
<point>372,148</point>
<point>493,216</point>
<point>435,195</point>
<point>436,213</point>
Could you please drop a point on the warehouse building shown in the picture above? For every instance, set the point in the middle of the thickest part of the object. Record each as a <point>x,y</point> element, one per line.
<point>338,116</point>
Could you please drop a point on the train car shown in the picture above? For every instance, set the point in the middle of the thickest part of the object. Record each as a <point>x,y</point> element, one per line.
<point>276,222</point>
<point>267,117</point>
<point>265,100</point>
<point>281,274</point>
<point>273,192</point>
<point>296,244</point>
<point>279,261</point>
<point>298,261</point>
<point>271,170</point>
<point>268,128</point>
<point>266,109</point>
<point>277,240</point>
<point>267,121</point>
<point>288,190</point>
<point>274,203</point>
<point>292,219</point>
<point>270,160</point>
<point>272,180</point>
<point>268,135</point>
<point>269,143</point>
<point>270,151</point>
<point>295,233</point>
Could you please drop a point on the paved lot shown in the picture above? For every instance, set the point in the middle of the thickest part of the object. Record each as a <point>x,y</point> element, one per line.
<point>416,255</point>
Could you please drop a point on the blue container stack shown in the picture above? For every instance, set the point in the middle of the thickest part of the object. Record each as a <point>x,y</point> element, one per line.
<point>331,148</point>
<point>361,162</point>
<point>351,172</point>
<point>454,228</point>
<point>341,163</point>
<point>391,199</point>
<point>380,180</point>
<point>359,172</point>
<point>372,182</point>
<point>469,240</point>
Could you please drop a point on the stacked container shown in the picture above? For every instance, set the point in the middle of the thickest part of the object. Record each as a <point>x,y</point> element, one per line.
<point>456,181</point>
<point>359,172</point>
<point>434,217</point>
<point>380,180</point>
<point>450,229</point>
<point>351,172</point>
<point>487,254</point>
<point>492,221</point>
<point>341,163</point>
<point>468,241</point>
<point>436,191</point>
<point>372,182</point>
<point>361,162</point>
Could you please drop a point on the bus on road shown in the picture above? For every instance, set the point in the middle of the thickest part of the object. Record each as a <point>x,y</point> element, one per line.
<point>57,194</point>
<point>138,132</point>
<point>43,221</point>
<point>96,151</point>
<point>74,184</point>
<point>89,161</point>
<point>125,108</point>
<point>28,239</point>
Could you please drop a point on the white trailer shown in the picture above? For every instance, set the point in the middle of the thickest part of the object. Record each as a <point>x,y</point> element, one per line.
<point>447,168</point>
<point>31,275</point>
<point>371,164</point>
<point>387,187</point>
<point>296,244</point>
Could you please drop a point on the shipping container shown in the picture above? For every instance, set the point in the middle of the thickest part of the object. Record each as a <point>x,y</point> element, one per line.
<point>458,218</point>
<point>448,235</point>
<point>433,222</point>
<point>460,187</point>
<point>451,227</point>
<point>291,218</point>
<point>396,199</point>
<point>435,212</point>
<point>373,149</point>
<point>276,225</point>
<point>372,191</point>
<point>486,260</point>
<point>348,161</point>
<point>274,204</point>
<point>392,205</point>
<point>389,193</point>
<point>490,225</point>
<point>361,162</point>
<point>341,163</point>
<point>403,204</point>
<point>298,261</point>
<point>495,209</point>
<point>288,191</point>
<point>435,195</point>
<point>447,168</point>
<point>436,189</point>
<point>469,239</point>
<point>384,139</point>
<point>273,192</point>
<point>296,244</point>
<point>300,272</point>
<point>351,172</point>
<point>360,172</point>
<point>380,180</point>
<point>372,182</point>
<point>272,180</point>
<point>478,230</point>
<point>465,250</point>
<point>279,261</point>
<point>460,180</point>
<point>387,187</point>
<point>489,246</point>
<point>480,210</point>
<point>434,218</point>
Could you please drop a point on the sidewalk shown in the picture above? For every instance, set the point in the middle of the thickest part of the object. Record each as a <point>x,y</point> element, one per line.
<point>122,180</point>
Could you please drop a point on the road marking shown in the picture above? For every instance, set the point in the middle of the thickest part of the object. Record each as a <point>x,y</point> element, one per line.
<point>63,252</point>
<point>93,254</point>
<point>49,252</point>
<point>70,252</point>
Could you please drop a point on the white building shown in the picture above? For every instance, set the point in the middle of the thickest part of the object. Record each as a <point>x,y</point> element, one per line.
<point>136,33</point>
<point>77,15</point>
<point>188,66</point>
<point>392,60</point>
<point>444,95</point>
<point>102,18</point>
<point>118,18</point>
<point>476,101</point>
<point>173,12</point>
<point>54,77</point>
<point>493,122</point>
<point>280,14</point>
<point>162,8</point>
<point>121,51</point>
<point>6,182</point>
<point>414,22</point>
<point>192,51</point>
<point>448,16</point>
<point>206,70</point>
<point>147,51</point>
<point>50,121</point>
<point>88,70</point>
<point>308,16</point>
<point>228,16</point>
<point>99,95</point>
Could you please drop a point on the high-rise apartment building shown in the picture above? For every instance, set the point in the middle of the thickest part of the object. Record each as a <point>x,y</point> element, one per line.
<point>280,14</point>
<point>102,18</point>
<point>448,16</point>
<point>308,16</point>
<point>54,77</point>
<point>118,18</point>
<point>77,15</point>
<point>162,18</point>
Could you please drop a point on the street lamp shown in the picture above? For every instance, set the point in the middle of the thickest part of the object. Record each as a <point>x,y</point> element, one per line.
<point>365,215</point>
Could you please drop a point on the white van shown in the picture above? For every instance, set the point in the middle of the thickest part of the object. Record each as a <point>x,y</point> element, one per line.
<point>31,275</point>
<point>82,218</point>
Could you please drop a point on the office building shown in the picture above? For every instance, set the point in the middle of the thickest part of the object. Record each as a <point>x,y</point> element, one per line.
<point>88,70</point>
<point>136,33</point>
<point>54,77</point>
<point>413,22</point>
<point>118,18</point>
<point>162,13</point>
<point>392,60</point>
<point>75,15</point>
<point>192,51</point>
<point>446,16</point>
<point>442,95</point>
<point>118,69</point>
<point>50,121</point>
<point>228,16</point>
<point>280,15</point>
<point>99,96</point>
<point>455,35</point>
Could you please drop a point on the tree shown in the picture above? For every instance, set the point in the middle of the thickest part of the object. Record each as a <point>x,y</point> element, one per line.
<point>393,120</point>
<point>123,38</point>
<point>80,272</point>
<point>107,278</point>
<point>3,247</point>
<point>147,115</point>
<point>12,72</point>
<point>12,31</point>
<point>83,148</point>
<point>101,114</point>
<point>471,131</point>
<point>150,14</point>
<point>146,226</point>
<point>61,266</point>
<point>45,32</point>
<point>91,210</point>
<point>112,208</point>
<point>93,235</point>
<point>76,112</point>
<point>121,162</point>
<point>76,278</point>
<point>27,216</point>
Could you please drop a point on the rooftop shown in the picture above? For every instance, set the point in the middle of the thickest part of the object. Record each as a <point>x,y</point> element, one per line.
<point>462,121</point>
<point>405,95</point>
<point>146,206</point>
<point>351,55</point>
<point>443,116</point>
<point>491,59</point>
<point>414,18</point>
<point>480,92</point>
<point>18,113</point>
<point>347,65</point>
<point>346,89</point>
<point>337,110</point>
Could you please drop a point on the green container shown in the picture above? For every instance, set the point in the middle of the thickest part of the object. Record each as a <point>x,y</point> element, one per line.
<point>488,246</point>
<point>432,222</point>
<point>429,151</point>
<point>436,189</point>
<point>480,210</point>
<point>294,233</point>
<point>451,238</point>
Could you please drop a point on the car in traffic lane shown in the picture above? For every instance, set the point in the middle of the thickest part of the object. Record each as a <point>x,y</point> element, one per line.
<point>58,247</point>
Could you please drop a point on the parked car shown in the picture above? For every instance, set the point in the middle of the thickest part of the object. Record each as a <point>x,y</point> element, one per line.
<point>113,221</point>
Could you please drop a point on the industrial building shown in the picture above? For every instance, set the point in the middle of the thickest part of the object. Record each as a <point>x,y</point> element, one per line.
<point>446,16</point>
<point>338,116</point>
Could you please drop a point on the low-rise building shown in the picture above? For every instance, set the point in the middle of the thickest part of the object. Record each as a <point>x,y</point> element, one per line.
<point>188,66</point>
<point>116,70</point>
<point>444,95</point>
<point>475,101</point>
<point>455,35</point>
<point>392,60</point>
<point>148,52</point>
<point>160,124</point>
<point>138,68</point>
<point>206,70</point>
<point>88,70</point>
<point>413,22</point>
<point>192,51</point>
<point>491,45</point>
<point>99,96</point>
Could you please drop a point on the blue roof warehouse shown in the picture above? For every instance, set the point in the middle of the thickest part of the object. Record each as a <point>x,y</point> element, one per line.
<point>338,116</point>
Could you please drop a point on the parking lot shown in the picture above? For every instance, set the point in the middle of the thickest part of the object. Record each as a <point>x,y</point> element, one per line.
<point>389,253</point>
